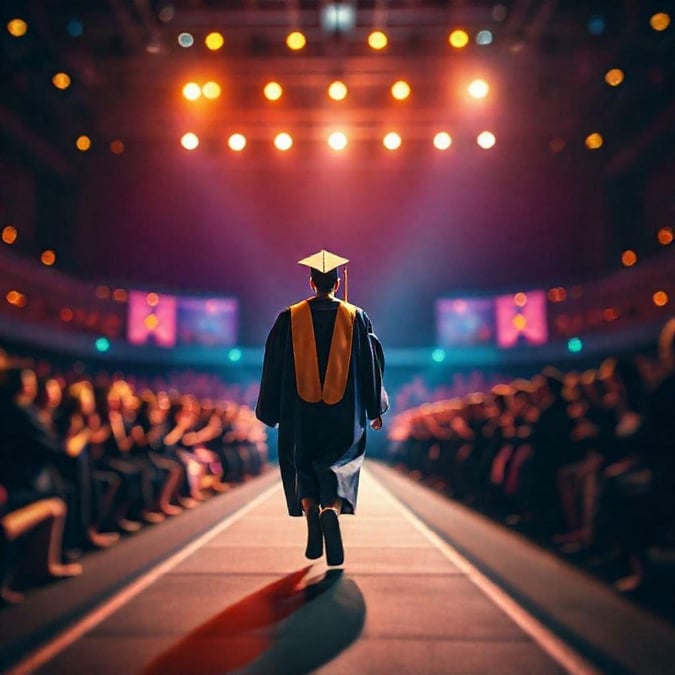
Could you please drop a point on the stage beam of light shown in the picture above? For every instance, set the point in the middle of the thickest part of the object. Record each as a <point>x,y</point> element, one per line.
<point>478,88</point>
<point>191,91</point>
<point>337,141</point>
<point>392,141</point>
<point>283,141</point>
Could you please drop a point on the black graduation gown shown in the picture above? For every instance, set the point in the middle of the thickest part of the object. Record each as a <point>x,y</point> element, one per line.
<point>319,443</point>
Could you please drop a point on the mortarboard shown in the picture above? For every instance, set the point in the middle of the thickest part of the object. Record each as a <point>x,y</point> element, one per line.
<point>325,261</point>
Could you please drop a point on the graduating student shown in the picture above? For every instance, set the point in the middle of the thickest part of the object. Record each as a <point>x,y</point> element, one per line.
<point>321,384</point>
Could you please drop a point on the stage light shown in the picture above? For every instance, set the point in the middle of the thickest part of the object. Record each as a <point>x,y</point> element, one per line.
<point>296,40</point>
<point>486,139</point>
<point>596,25</point>
<point>192,91</point>
<point>234,354</point>
<point>628,258</point>
<point>116,147</point>
<point>189,141</point>
<point>17,27</point>
<point>337,140</point>
<point>152,299</point>
<point>660,298</point>
<point>338,18</point>
<point>594,141</point>
<point>400,90</point>
<point>237,142</point>
<point>557,144</point>
<point>74,28</point>
<point>186,40</point>
<point>9,234</point>
<point>166,13</point>
<point>610,314</point>
<point>102,292</point>
<point>151,322</point>
<point>438,355</point>
<point>61,81</point>
<point>377,40</point>
<point>16,298</point>
<point>66,314</point>
<point>458,38</point>
<point>659,21</point>
<point>337,90</point>
<point>83,143</point>
<point>442,140</point>
<point>102,344</point>
<point>392,141</point>
<point>484,37</point>
<point>478,88</point>
<point>283,141</point>
<point>211,90</point>
<point>120,295</point>
<point>614,77</point>
<point>575,345</point>
<point>273,91</point>
<point>214,41</point>
<point>519,322</point>
<point>665,236</point>
<point>520,299</point>
<point>557,294</point>
<point>48,257</point>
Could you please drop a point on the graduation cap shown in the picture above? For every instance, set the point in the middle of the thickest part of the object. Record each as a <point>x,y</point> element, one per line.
<point>324,262</point>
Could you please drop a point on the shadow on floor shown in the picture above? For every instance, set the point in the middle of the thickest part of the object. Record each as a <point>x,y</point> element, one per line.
<point>288,627</point>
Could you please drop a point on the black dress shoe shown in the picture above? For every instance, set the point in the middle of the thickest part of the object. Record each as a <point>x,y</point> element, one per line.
<point>335,554</point>
<point>314,548</point>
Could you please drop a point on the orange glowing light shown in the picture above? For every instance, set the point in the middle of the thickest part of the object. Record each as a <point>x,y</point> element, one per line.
<point>610,314</point>
<point>660,298</point>
<point>665,236</point>
<point>594,141</point>
<point>16,298</point>
<point>486,140</point>
<point>557,294</point>
<point>659,21</point>
<point>48,257</point>
<point>214,41</point>
<point>116,147</point>
<point>392,141</point>
<point>273,91</point>
<point>151,322</point>
<point>520,299</point>
<point>189,141</point>
<point>191,91</point>
<point>152,299</point>
<point>442,140</point>
<point>614,77</point>
<point>83,143</point>
<point>120,295</point>
<point>296,40</point>
<point>377,40</point>
<point>628,258</point>
<point>478,88</point>
<point>211,90</point>
<point>237,142</point>
<point>9,234</point>
<point>458,38</point>
<point>400,90</point>
<point>17,27</point>
<point>102,292</point>
<point>61,80</point>
<point>283,141</point>
<point>337,90</point>
<point>66,314</point>
<point>519,322</point>
<point>337,141</point>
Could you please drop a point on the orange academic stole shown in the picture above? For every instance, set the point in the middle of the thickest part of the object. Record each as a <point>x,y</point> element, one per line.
<point>307,378</point>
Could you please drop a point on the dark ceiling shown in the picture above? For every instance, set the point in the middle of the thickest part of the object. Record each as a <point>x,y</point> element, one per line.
<point>539,208</point>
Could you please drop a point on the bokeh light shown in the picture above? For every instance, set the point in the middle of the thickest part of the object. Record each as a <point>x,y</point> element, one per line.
<point>9,234</point>
<point>400,90</point>
<point>151,322</point>
<point>235,354</point>
<point>296,40</point>
<point>83,143</point>
<point>214,41</point>
<point>337,141</point>
<point>665,236</point>
<point>557,144</point>
<point>594,141</point>
<point>283,141</point>
<point>74,28</point>
<point>120,295</point>
<point>520,299</point>
<point>237,142</point>
<point>575,345</point>
<point>392,141</point>
<point>48,257</point>
<point>192,91</point>
<point>438,355</point>
<point>458,38</point>
<point>102,344</point>
<point>211,90</point>
<point>478,88</point>
<point>189,141</point>
<point>628,258</point>
<point>17,27</point>
<point>442,140</point>
<point>16,298</point>
<point>377,40</point>
<point>102,292</point>
<point>614,77</point>
<point>116,147</point>
<point>61,81</point>
<point>660,298</point>
<point>152,299</point>
<point>186,40</point>
<point>659,21</point>
<point>486,140</point>
<point>273,91</point>
<point>483,38</point>
<point>557,294</point>
<point>337,90</point>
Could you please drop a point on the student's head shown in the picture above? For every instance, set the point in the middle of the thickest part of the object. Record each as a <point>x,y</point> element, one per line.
<point>324,282</point>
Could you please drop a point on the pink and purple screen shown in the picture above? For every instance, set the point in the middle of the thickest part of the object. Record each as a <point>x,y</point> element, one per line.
<point>465,321</point>
<point>521,319</point>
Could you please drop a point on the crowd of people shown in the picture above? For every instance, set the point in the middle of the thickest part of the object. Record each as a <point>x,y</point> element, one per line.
<point>86,460</point>
<point>584,461</point>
